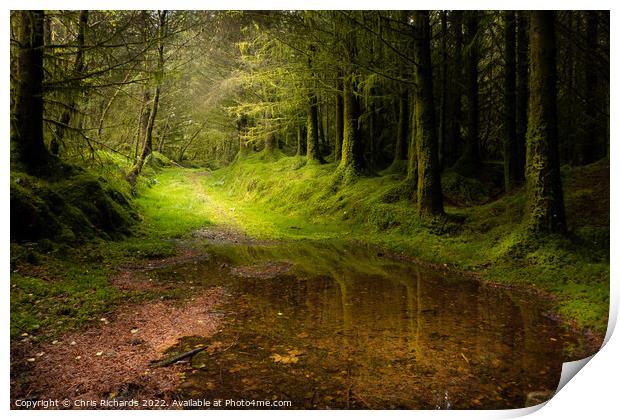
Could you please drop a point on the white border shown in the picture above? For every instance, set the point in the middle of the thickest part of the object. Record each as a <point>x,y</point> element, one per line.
<point>593,394</point>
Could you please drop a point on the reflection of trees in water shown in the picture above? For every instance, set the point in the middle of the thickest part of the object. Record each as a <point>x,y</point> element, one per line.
<point>394,334</point>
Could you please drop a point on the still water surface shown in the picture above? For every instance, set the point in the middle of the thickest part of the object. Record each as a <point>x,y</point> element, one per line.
<point>327,325</point>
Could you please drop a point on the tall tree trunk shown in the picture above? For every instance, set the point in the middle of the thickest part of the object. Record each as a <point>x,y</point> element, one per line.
<point>453,142</point>
<point>352,160</point>
<point>372,127</point>
<point>27,146</point>
<point>593,144</point>
<point>352,148</point>
<point>511,166</point>
<point>522,90</point>
<point>313,152</point>
<point>144,122</point>
<point>430,200</point>
<point>470,158</point>
<point>339,121</point>
<point>148,140</point>
<point>412,152</point>
<point>402,131</point>
<point>545,202</point>
<point>443,87</point>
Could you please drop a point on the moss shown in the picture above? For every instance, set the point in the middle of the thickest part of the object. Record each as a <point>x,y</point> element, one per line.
<point>74,208</point>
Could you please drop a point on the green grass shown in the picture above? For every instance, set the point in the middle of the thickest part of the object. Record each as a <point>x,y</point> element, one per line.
<point>171,207</point>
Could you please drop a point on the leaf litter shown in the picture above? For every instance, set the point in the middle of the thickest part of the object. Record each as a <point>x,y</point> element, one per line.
<point>113,358</point>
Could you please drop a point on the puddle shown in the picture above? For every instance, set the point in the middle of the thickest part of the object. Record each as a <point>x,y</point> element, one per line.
<point>325,325</point>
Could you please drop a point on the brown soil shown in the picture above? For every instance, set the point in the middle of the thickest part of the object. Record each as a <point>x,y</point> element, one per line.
<point>223,235</point>
<point>111,360</point>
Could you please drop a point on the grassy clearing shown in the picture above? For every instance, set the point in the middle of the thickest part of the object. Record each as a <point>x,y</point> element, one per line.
<point>287,199</point>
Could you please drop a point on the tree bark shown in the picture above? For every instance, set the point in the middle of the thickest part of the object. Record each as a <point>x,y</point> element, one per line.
<point>545,202</point>
<point>402,131</point>
<point>511,166</point>
<point>339,121</point>
<point>522,90</point>
<point>430,200</point>
<point>27,146</point>
<point>453,142</point>
<point>312,150</point>
<point>352,148</point>
<point>443,89</point>
<point>593,147</point>
<point>470,158</point>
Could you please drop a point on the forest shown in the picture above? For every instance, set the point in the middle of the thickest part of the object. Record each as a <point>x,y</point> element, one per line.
<point>306,209</point>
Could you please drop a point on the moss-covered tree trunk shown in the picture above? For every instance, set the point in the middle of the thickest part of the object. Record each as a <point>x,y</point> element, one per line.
<point>429,197</point>
<point>469,160</point>
<point>545,203</point>
<point>27,146</point>
<point>511,165</point>
<point>351,162</point>
<point>522,90</point>
<point>339,121</point>
<point>352,159</point>
<point>313,153</point>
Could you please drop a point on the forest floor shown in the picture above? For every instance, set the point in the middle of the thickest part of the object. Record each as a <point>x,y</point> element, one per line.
<point>72,309</point>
